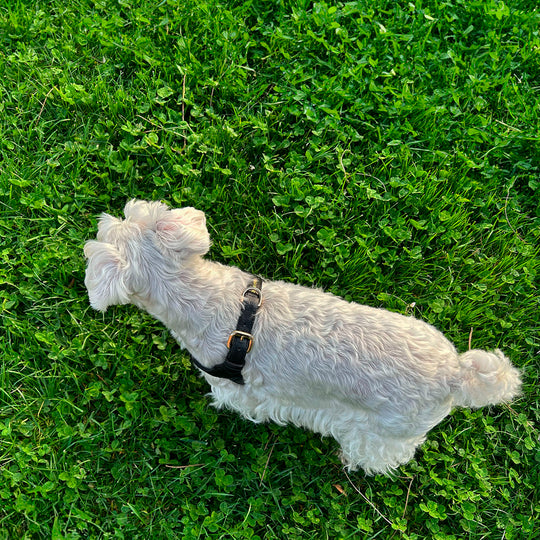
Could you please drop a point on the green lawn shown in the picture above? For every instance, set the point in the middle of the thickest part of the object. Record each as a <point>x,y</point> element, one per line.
<point>385,150</point>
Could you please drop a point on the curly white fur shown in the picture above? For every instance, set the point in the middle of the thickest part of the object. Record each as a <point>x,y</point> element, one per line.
<point>374,380</point>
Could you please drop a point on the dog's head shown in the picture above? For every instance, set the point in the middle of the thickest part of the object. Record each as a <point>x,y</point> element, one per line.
<point>128,253</point>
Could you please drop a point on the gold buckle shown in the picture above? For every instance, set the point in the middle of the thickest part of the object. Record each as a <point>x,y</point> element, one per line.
<point>241,335</point>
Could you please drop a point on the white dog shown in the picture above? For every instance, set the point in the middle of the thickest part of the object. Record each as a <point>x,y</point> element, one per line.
<point>376,381</point>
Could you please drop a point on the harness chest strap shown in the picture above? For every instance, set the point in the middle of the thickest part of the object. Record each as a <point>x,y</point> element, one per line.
<point>241,340</point>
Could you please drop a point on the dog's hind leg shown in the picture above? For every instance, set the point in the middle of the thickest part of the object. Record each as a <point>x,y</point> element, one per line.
<point>376,453</point>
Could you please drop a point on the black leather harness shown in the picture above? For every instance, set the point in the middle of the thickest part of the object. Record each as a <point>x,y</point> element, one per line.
<point>241,340</point>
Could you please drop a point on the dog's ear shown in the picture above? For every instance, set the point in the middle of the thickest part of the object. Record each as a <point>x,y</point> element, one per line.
<point>106,226</point>
<point>105,275</point>
<point>183,231</point>
<point>144,212</point>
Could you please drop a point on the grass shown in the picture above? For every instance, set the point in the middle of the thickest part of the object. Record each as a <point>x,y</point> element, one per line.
<point>388,151</point>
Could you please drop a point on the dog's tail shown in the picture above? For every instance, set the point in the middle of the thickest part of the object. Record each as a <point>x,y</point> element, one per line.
<point>487,378</point>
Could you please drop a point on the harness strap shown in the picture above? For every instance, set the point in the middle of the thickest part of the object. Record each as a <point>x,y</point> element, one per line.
<point>241,340</point>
